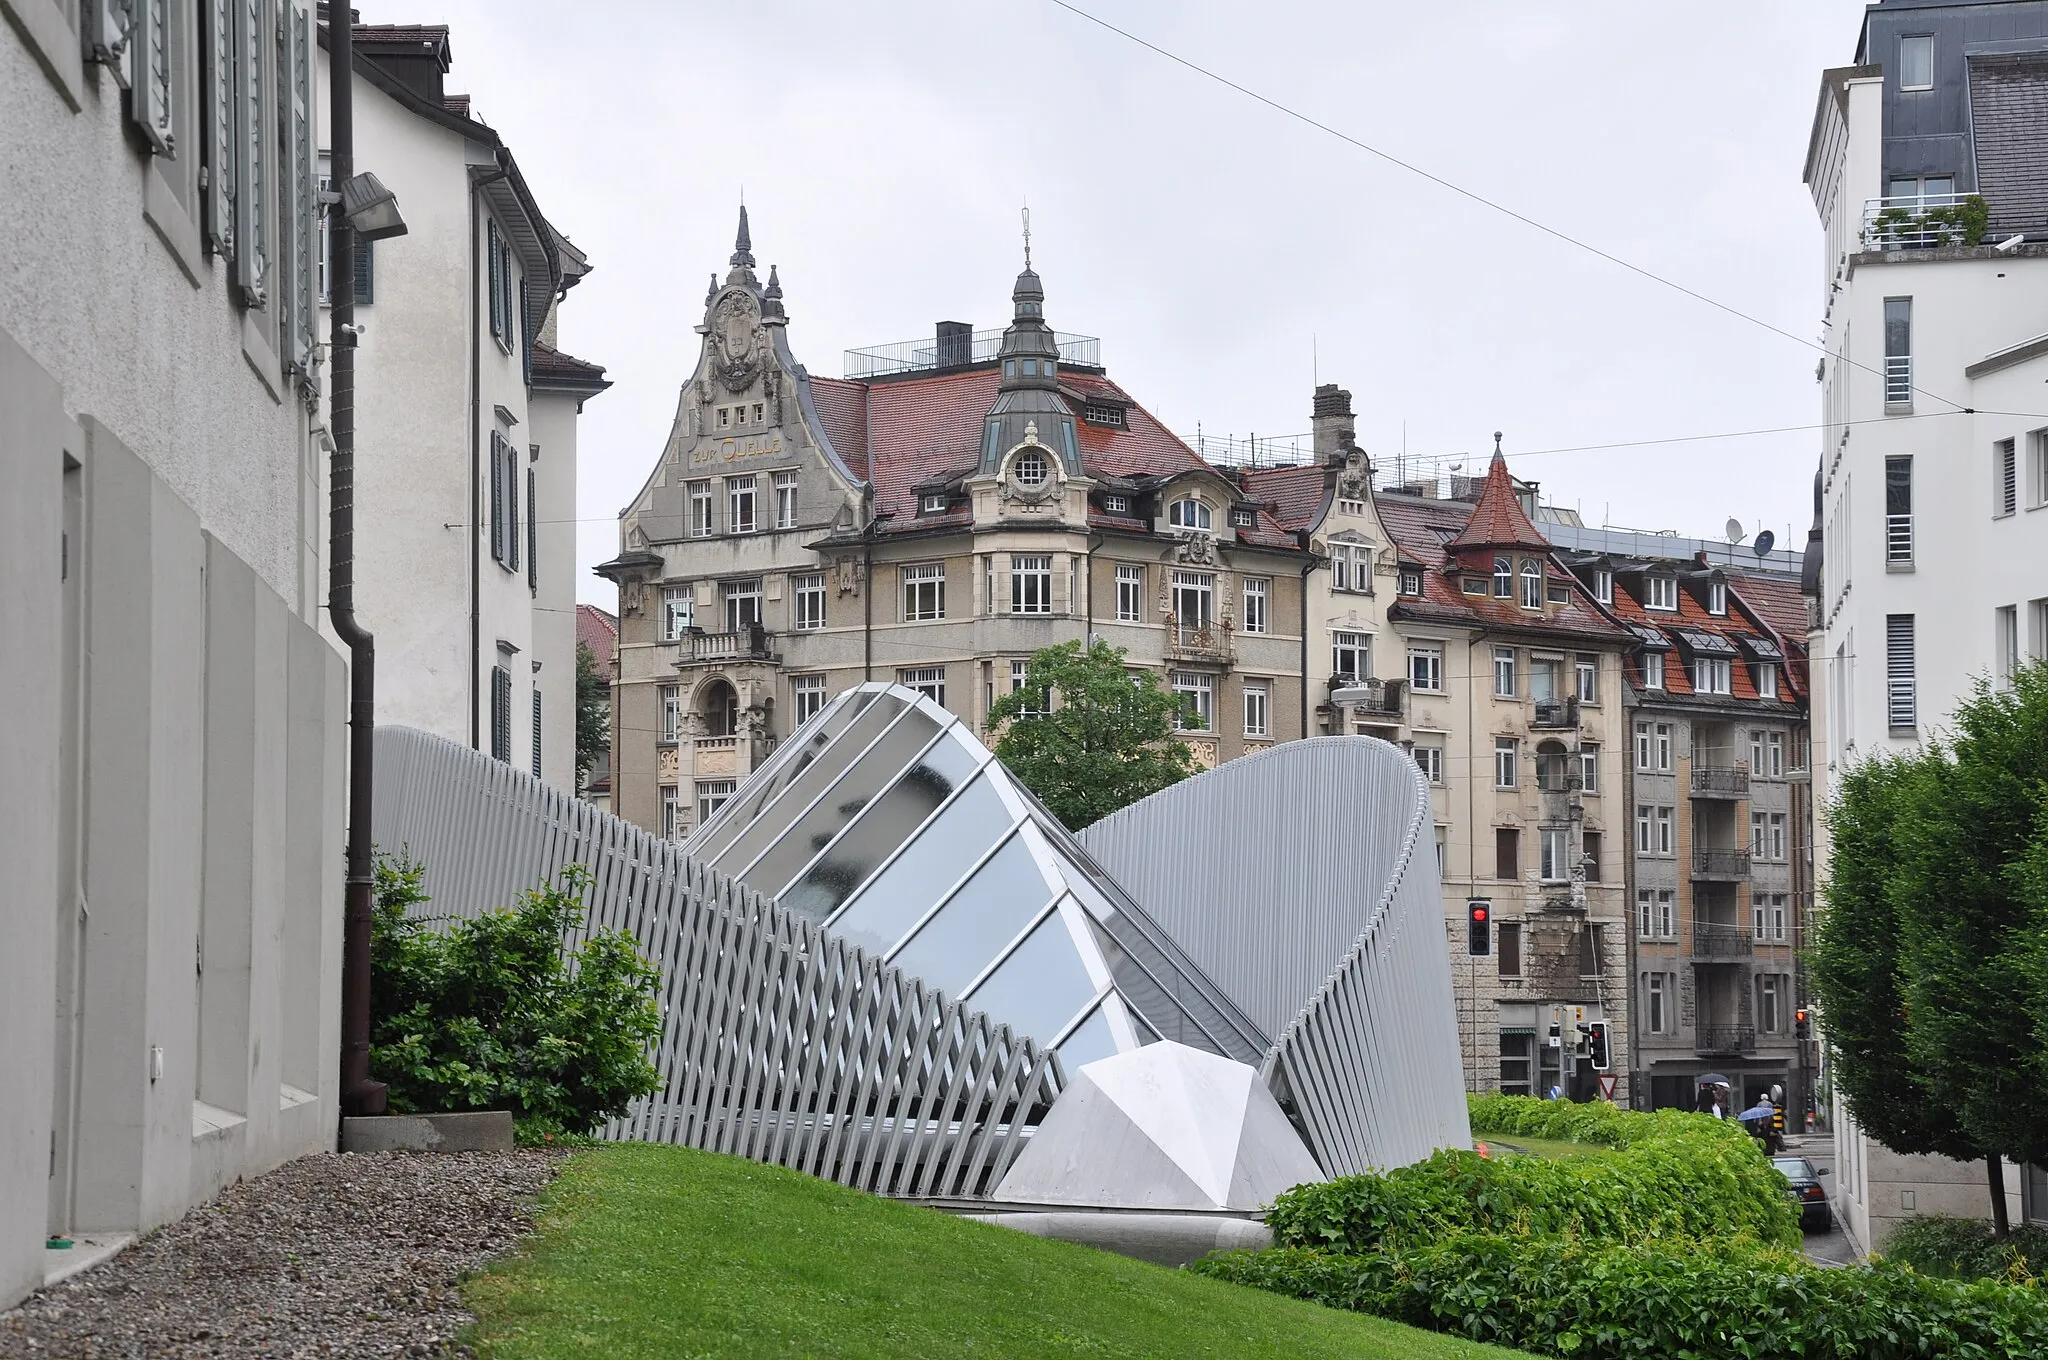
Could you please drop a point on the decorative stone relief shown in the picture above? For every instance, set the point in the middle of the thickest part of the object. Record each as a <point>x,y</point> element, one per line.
<point>1354,483</point>
<point>847,574</point>
<point>718,760</point>
<point>667,765</point>
<point>1196,550</point>
<point>737,342</point>
<point>1204,751</point>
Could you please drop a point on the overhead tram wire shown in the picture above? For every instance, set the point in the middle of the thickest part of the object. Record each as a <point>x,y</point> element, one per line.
<point>1486,202</point>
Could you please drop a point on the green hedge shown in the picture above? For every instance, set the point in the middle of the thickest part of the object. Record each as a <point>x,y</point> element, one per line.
<point>1704,1300</point>
<point>1963,1248</point>
<point>1677,1175</point>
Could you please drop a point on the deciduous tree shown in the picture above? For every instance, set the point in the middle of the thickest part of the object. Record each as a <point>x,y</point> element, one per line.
<point>593,713</point>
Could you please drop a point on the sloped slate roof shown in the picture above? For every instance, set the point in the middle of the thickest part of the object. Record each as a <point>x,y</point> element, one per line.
<point>2009,124</point>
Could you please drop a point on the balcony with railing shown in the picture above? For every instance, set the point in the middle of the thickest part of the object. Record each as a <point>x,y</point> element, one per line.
<point>1198,641</point>
<point>1555,714</point>
<point>1924,221</point>
<point>1711,940</point>
<point>1720,781</point>
<point>749,643</point>
<point>958,350</point>
<point>1715,1040</point>
<point>1731,865</point>
<point>1368,695</point>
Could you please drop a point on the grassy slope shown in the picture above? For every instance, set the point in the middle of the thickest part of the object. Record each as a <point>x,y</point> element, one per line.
<point>648,1251</point>
<point>1548,1147</point>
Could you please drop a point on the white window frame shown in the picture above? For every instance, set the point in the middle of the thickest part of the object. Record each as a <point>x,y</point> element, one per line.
<point>1130,593</point>
<point>1426,667</point>
<point>1504,678</point>
<point>1767,680</point>
<point>673,824</point>
<point>734,596</point>
<point>1351,567</point>
<point>1589,768</point>
<point>742,508</point>
<point>1586,673</point>
<point>1194,593</point>
<point>1717,598</point>
<point>702,524</point>
<point>713,794</point>
<point>1532,583</point>
<point>1603,586</point>
<point>1030,583</point>
<point>1258,709</point>
<point>1430,757</point>
<point>1928,39</point>
<point>1553,854</point>
<point>1258,604</point>
<point>1507,760</point>
<point>1357,647</point>
<point>1190,512</point>
<point>808,692</point>
<point>1656,1005</point>
<point>1653,670</point>
<point>1712,675</point>
<point>671,697</point>
<point>1660,592</point>
<point>678,611</point>
<point>1779,850</point>
<point>1664,820</point>
<point>785,500</point>
<point>1503,578</point>
<point>808,588</point>
<point>1774,755</point>
<point>1031,469</point>
<point>1200,687</point>
<point>923,591</point>
<point>930,681</point>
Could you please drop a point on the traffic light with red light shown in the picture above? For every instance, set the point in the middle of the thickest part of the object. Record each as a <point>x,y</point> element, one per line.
<point>1802,1024</point>
<point>1478,927</point>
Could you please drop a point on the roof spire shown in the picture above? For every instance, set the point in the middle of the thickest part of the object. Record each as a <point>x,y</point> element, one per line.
<point>712,291</point>
<point>1496,447</point>
<point>1027,236</point>
<point>743,245</point>
<point>1497,519</point>
<point>774,283</point>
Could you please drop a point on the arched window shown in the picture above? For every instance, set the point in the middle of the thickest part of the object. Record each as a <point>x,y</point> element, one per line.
<point>1553,767</point>
<point>1532,584</point>
<point>720,709</point>
<point>1029,469</point>
<point>1188,514</point>
<point>1504,577</point>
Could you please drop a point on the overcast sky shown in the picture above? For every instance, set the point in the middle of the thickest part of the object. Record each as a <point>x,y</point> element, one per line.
<point>1224,252</point>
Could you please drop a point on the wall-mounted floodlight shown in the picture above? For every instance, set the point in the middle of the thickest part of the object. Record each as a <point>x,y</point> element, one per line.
<point>2011,243</point>
<point>372,209</point>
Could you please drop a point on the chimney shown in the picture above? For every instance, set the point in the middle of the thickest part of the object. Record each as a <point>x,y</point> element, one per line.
<point>1334,430</point>
<point>956,344</point>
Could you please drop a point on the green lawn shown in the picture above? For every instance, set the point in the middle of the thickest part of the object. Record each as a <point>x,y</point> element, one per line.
<point>1547,1147</point>
<point>649,1251</point>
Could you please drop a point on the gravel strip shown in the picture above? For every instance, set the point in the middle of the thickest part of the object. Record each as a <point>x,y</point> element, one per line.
<point>331,1255</point>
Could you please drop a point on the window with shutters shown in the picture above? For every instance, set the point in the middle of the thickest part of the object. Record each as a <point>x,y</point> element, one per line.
<point>2005,478</point>
<point>501,714</point>
<point>504,502</point>
<point>503,285</point>
<point>532,535</point>
<point>536,733</point>
<point>255,168</point>
<point>221,151</point>
<point>1902,691</point>
<point>299,240</point>
<point>366,254</point>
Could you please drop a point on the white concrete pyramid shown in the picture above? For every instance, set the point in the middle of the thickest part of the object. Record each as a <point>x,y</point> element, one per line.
<point>1162,1127</point>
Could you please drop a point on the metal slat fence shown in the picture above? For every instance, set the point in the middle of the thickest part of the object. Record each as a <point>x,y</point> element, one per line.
<point>778,1043</point>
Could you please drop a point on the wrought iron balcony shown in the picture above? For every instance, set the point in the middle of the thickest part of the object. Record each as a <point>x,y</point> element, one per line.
<point>1555,714</point>
<point>1198,641</point>
<point>1711,1040</point>
<point>740,644</point>
<point>1711,941</point>
<point>1720,864</point>
<point>1368,694</point>
<point>1720,781</point>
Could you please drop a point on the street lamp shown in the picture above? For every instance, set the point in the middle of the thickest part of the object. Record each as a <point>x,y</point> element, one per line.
<point>371,209</point>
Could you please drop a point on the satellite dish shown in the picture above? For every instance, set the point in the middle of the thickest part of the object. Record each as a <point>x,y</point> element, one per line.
<point>1734,531</point>
<point>1765,541</point>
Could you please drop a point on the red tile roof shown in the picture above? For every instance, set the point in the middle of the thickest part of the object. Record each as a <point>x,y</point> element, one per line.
<point>1295,493</point>
<point>911,432</point>
<point>599,631</point>
<point>1735,627</point>
<point>1497,520</point>
<point>1421,529</point>
<point>551,363</point>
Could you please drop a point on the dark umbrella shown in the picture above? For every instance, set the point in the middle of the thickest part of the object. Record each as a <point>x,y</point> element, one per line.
<point>1713,1079</point>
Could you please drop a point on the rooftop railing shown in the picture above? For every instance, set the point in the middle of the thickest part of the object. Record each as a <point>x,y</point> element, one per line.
<point>981,347</point>
<point>1923,221</point>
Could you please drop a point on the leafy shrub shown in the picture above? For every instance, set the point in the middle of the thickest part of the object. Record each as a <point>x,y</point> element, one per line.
<point>494,1013</point>
<point>1677,1175</point>
<point>1962,1248</point>
<point>1727,1300</point>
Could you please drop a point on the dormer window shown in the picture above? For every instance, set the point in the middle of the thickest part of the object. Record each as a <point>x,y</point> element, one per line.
<point>1029,469</point>
<point>1112,416</point>
<point>1603,586</point>
<point>932,503</point>
<point>1188,513</point>
<point>1717,597</point>
<point>1532,584</point>
<point>1031,368</point>
<point>1504,578</point>
<point>1411,581</point>
<point>1767,681</point>
<point>1241,518</point>
<point>1660,592</point>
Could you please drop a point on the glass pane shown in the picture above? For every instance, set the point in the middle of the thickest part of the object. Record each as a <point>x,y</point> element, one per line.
<point>983,916</point>
<point>887,822</point>
<point>1040,987</point>
<point>1939,186</point>
<point>787,764</point>
<point>1916,61</point>
<point>804,784</point>
<point>1898,327</point>
<point>907,889</point>
<point>843,802</point>
<point>1091,1041</point>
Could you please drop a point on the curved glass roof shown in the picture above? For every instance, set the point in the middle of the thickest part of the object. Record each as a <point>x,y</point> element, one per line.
<point>884,819</point>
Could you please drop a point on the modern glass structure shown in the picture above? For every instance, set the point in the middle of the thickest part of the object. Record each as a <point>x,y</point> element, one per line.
<point>886,822</point>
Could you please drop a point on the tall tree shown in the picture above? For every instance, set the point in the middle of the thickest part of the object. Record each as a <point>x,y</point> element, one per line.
<point>593,713</point>
<point>1854,966</point>
<point>1087,736</point>
<point>1967,940</point>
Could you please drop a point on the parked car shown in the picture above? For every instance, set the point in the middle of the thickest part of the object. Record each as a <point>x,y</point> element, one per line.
<point>1802,1182</point>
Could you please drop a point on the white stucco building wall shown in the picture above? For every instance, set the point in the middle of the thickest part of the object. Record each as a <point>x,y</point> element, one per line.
<point>171,765</point>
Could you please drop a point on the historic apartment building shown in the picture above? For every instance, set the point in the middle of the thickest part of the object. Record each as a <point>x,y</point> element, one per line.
<point>1719,835</point>
<point>466,413</point>
<point>934,520</point>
